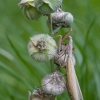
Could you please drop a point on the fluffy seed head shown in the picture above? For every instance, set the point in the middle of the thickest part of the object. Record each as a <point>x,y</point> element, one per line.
<point>42,47</point>
<point>54,83</point>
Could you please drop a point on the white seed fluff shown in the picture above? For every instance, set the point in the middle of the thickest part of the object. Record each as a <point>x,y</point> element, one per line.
<point>54,83</point>
<point>42,47</point>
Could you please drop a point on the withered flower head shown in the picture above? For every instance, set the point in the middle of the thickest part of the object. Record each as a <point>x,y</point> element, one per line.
<point>54,83</point>
<point>29,10</point>
<point>60,19</point>
<point>42,47</point>
<point>38,94</point>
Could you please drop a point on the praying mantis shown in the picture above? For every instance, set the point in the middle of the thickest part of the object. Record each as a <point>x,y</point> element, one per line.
<point>65,58</point>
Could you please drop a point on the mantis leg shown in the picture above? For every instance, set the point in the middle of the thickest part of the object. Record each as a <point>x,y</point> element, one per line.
<point>66,35</point>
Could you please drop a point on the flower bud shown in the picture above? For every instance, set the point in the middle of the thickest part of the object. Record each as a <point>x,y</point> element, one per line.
<point>29,10</point>
<point>42,47</point>
<point>47,6</point>
<point>60,19</point>
<point>54,83</point>
<point>39,95</point>
<point>61,59</point>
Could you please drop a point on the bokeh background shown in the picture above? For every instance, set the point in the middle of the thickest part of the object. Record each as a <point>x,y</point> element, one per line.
<point>19,73</point>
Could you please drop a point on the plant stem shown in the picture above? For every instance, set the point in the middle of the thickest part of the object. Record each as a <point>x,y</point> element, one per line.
<point>54,98</point>
<point>50,22</point>
<point>51,61</point>
<point>52,65</point>
<point>50,28</point>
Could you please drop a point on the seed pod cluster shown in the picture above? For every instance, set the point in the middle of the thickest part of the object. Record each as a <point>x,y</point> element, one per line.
<point>34,9</point>
<point>54,83</point>
<point>42,48</point>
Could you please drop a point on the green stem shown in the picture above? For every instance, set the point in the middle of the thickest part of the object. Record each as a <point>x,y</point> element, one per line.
<point>50,22</point>
<point>52,65</point>
<point>50,28</point>
<point>54,98</point>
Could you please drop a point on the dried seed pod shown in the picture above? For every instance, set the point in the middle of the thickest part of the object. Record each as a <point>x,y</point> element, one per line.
<point>47,6</point>
<point>39,95</point>
<point>54,83</point>
<point>61,58</point>
<point>42,47</point>
<point>60,19</point>
<point>29,10</point>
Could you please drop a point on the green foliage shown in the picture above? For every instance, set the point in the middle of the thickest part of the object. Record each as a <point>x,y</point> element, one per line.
<point>19,73</point>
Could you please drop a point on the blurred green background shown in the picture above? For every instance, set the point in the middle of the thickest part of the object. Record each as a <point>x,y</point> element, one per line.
<point>19,73</point>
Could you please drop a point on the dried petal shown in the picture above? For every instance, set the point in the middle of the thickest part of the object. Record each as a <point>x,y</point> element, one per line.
<point>25,1</point>
<point>47,6</point>
<point>29,10</point>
